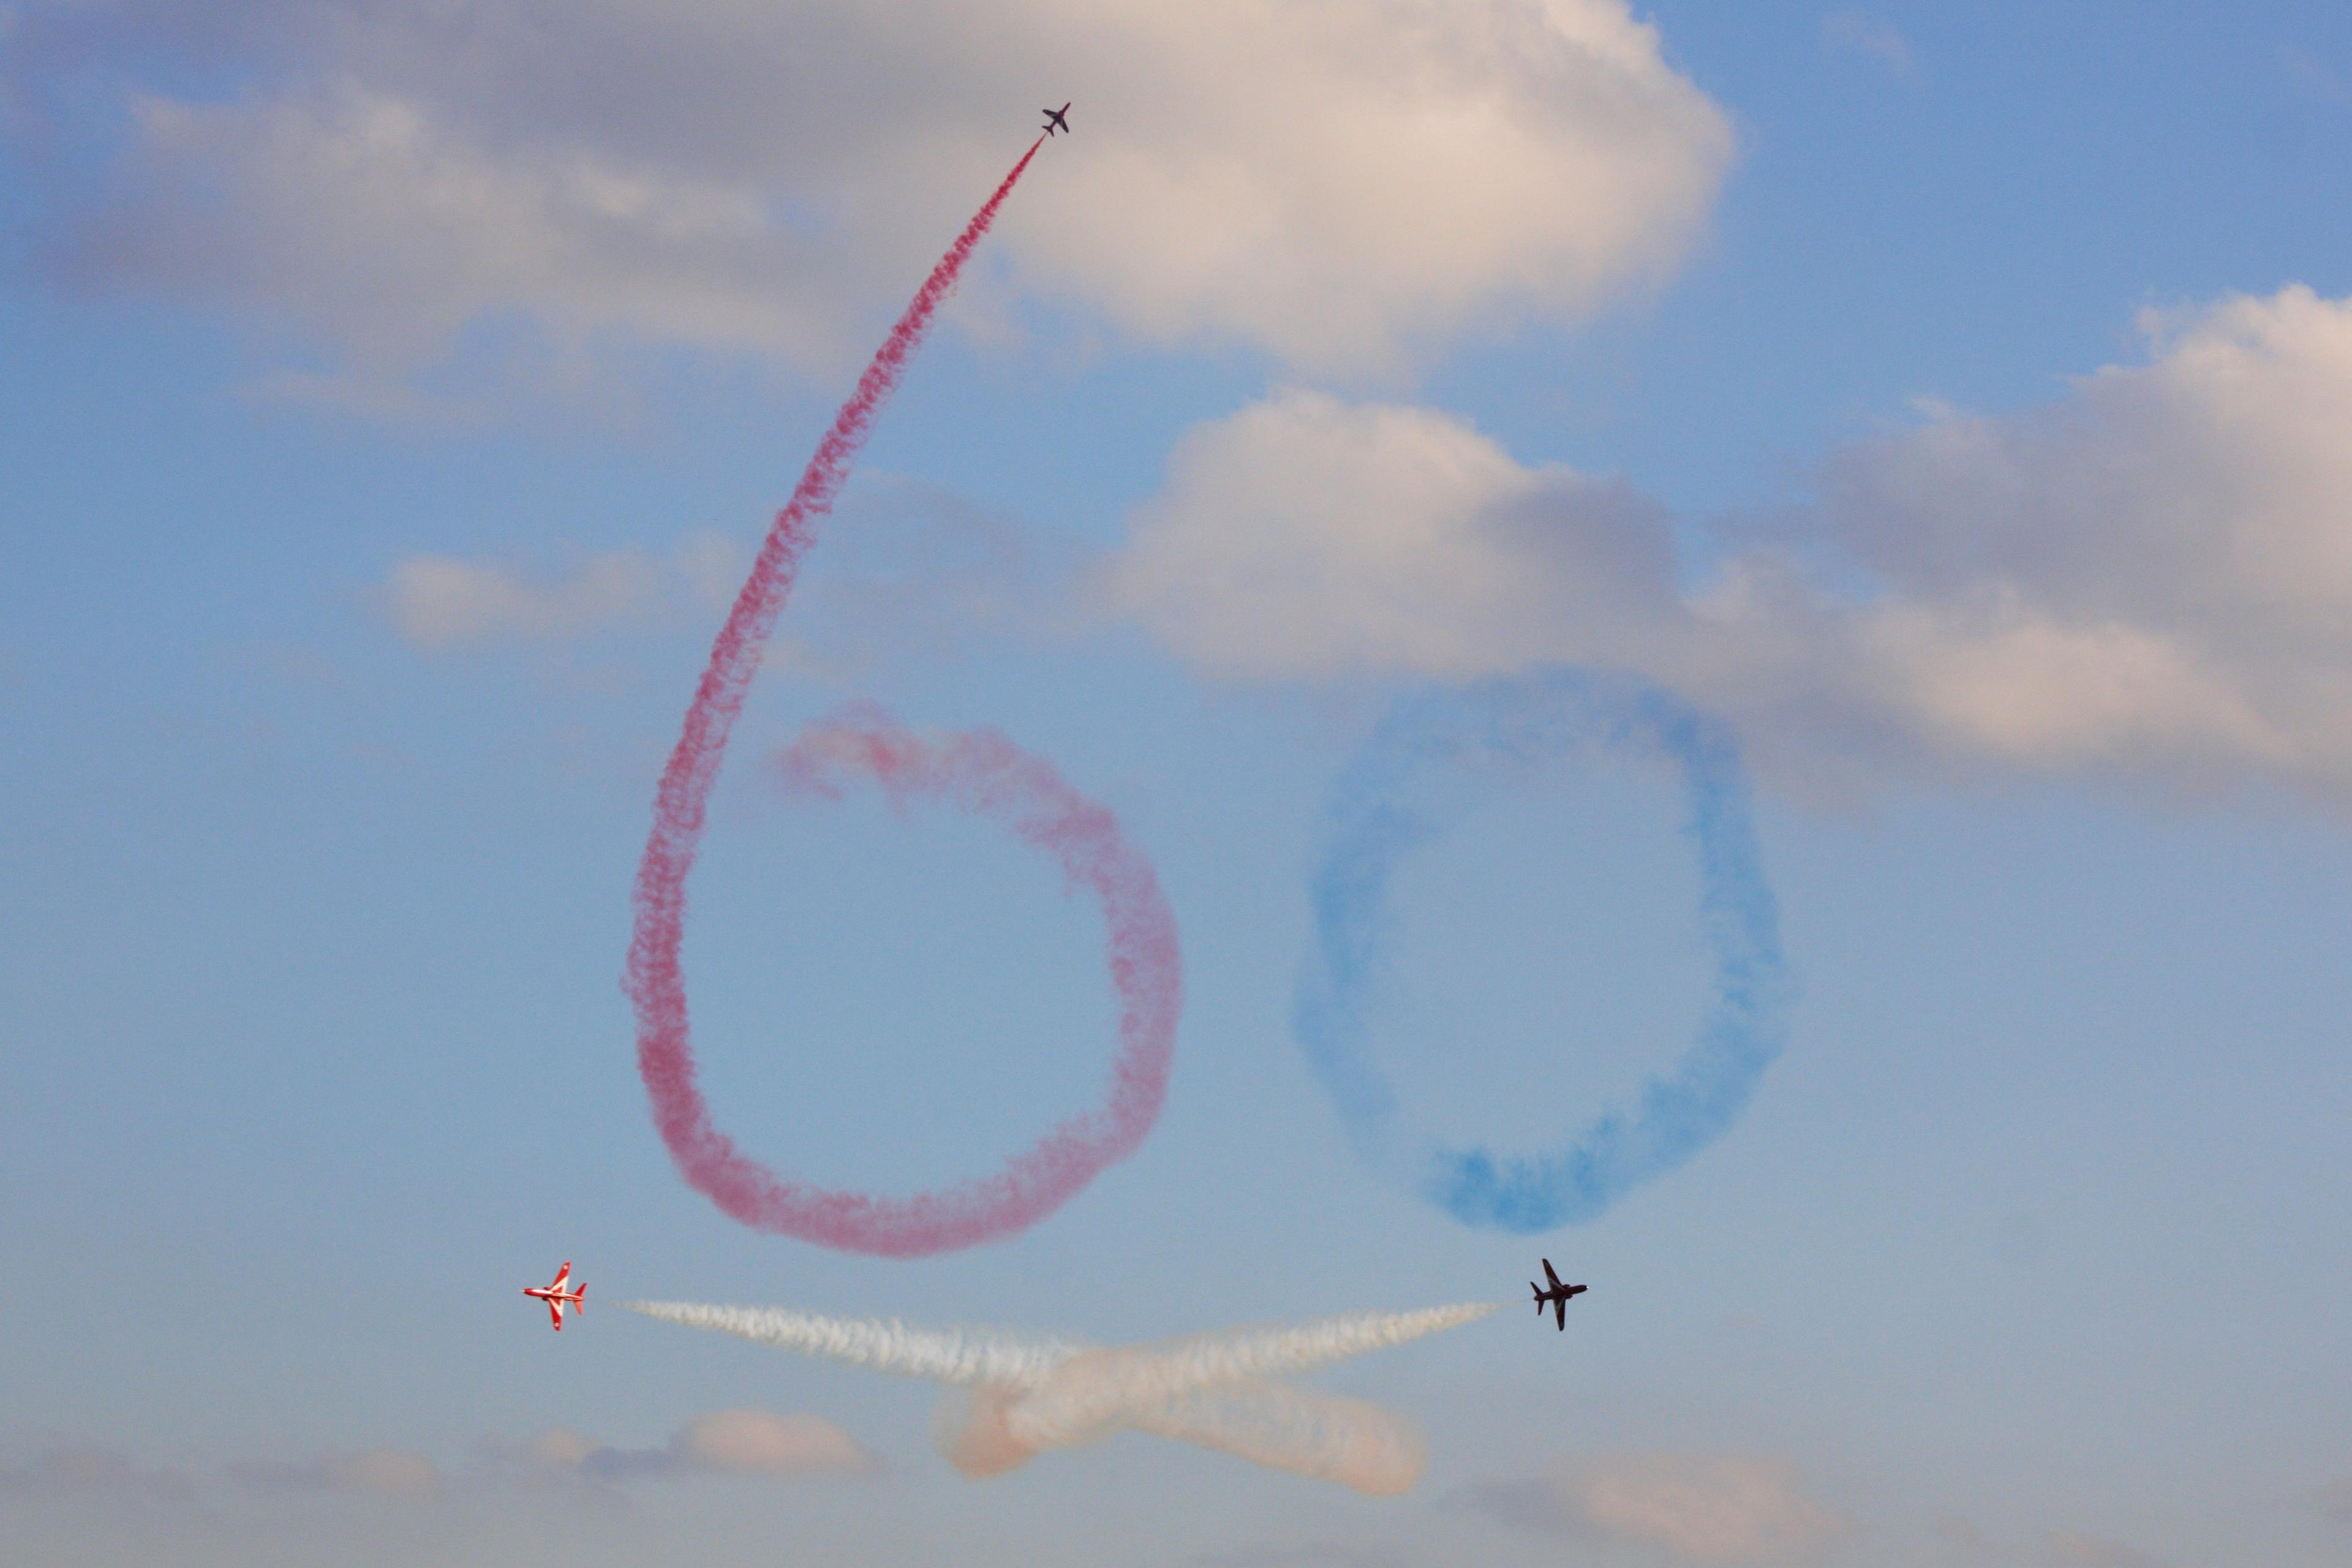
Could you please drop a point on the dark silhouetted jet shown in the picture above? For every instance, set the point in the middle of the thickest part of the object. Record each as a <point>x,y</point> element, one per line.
<point>1054,120</point>
<point>1557,1297</point>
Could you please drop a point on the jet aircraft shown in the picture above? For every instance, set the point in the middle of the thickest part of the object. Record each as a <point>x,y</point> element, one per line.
<point>555,1294</point>
<point>1557,1297</point>
<point>1054,119</point>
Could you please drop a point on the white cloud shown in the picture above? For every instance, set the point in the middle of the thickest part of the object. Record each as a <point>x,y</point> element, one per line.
<point>2152,576</point>
<point>375,222</point>
<point>1343,187</point>
<point>440,603</point>
<point>1305,536</point>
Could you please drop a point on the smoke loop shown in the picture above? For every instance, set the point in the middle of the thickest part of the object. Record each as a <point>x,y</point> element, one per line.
<point>1405,788</point>
<point>984,773</point>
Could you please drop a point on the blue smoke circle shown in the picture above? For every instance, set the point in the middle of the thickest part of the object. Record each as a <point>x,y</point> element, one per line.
<point>1410,783</point>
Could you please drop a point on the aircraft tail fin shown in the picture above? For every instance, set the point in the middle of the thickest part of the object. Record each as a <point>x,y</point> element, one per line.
<point>581,1305</point>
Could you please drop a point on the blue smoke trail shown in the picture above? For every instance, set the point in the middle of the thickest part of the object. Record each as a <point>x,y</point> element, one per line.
<point>1406,788</point>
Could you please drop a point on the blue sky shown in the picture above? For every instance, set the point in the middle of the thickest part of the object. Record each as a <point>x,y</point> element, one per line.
<point>1950,398</point>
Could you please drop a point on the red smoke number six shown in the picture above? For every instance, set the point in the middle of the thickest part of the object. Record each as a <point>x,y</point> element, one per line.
<point>982,771</point>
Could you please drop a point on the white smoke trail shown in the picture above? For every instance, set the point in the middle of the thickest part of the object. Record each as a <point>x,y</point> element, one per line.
<point>963,1357</point>
<point>1023,1396</point>
<point>1093,1390</point>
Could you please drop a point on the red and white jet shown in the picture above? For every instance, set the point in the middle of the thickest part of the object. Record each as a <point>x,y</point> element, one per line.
<point>555,1294</point>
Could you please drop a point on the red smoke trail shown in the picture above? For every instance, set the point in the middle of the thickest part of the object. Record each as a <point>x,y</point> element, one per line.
<point>654,980</point>
<point>984,773</point>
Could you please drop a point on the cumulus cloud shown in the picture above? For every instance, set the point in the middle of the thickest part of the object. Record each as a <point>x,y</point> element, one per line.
<point>440,603</point>
<point>1304,536</point>
<point>1721,1509</point>
<point>1342,188</point>
<point>2151,576</point>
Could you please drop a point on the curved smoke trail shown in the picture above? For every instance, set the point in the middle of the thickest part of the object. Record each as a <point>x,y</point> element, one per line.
<point>1018,1397</point>
<point>1406,788</point>
<point>1325,1437</point>
<point>1030,1187</point>
<point>1306,1432</point>
<point>984,773</point>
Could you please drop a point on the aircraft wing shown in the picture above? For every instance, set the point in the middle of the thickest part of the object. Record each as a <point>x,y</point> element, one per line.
<point>555,1311</point>
<point>1550,1277</point>
<point>561,1276</point>
<point>1559,1311</point>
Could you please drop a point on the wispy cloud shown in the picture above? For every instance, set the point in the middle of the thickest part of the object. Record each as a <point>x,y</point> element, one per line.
<point>444,602</point>
<point>1860,33</point>
<point>2078,1551</point>
<point>723,1442</point>
<point>372,1472</point>
<point>2317,81</point>
<point>914,573</point>
<point>758,1443</point>
<point>88,1468</point>
<point>1702,1509</point>
<point>1954,1530</point>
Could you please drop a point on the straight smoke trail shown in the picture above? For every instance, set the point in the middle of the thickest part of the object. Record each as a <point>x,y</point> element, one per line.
<point>1096,1390</point>
<point>961,1357</point>
<point>1018,1397</point>
<point>654,978</point>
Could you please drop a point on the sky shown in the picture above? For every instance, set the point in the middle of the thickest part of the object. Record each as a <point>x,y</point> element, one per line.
<point>1944,403</point>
